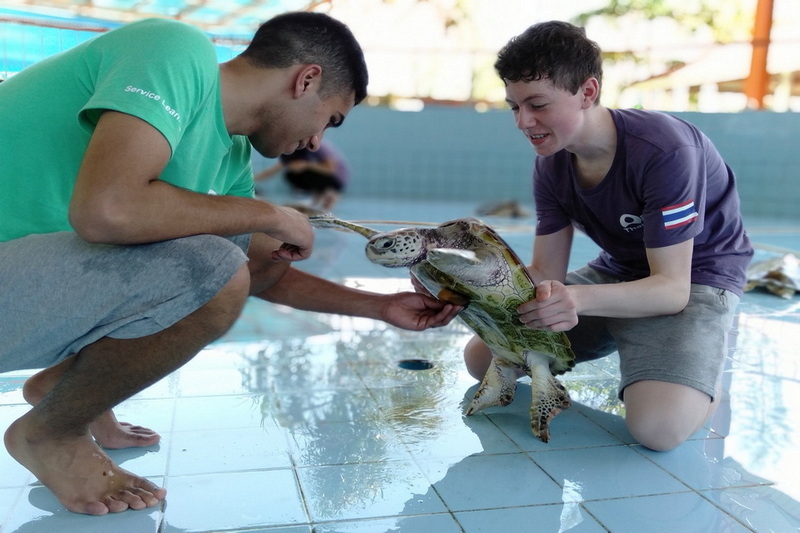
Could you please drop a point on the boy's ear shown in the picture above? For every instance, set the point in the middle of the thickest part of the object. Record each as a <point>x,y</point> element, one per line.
<point>591,90</point>
<point>307,80</point>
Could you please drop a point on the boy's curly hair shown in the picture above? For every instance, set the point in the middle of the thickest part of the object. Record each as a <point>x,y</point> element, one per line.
<point>554,50</point>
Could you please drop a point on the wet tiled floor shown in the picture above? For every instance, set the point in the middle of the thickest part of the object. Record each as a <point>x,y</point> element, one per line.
<point>297,423</point>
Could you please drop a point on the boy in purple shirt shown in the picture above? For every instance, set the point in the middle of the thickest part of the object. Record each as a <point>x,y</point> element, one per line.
<point>653,192</point>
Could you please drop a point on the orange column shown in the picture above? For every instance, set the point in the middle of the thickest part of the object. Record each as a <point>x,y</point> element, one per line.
<point>756,84</point>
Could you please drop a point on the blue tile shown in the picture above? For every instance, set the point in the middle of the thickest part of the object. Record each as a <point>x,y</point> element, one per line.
<point>214,502</point>
<point>436,523</point>
<point>156,414</point>
<point>666,513</point>
<point>340,443</point>
<point>490,481</point>
<point>570,429</point>
<point>40,512</point>
<point>701,464</point>
<point>310,407</point>
<point>759,508</point>
<point>232,450</point>
<point>556,517</point>
<point>279,529</point>
<point>367,490</point>
<point>610,472</point>
<point>8,500</point>
<point>218,413</point>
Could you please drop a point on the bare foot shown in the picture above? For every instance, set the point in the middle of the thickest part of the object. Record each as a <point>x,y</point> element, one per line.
<point>80,474</point>
<point>106,429</point>
<point>112,434</point>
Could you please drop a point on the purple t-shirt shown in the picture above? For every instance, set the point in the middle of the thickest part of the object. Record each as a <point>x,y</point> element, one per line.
<point>325,152</point>
<point>667,184</point>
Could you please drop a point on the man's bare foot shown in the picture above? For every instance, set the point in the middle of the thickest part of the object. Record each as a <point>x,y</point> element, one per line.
<point>106,429</point>
<point>80,474</point>
<point>112,434</point>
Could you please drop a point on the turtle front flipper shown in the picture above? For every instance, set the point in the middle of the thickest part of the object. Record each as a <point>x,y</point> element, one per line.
<point>497,388</point>
<point>549,396</point>
<point>467,266</point>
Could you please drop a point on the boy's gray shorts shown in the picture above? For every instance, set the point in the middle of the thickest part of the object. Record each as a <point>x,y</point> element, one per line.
<point>59,293</point>
<point>687,348</point>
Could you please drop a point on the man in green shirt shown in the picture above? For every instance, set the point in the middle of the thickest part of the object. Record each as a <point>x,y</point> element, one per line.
<point>129,234</point>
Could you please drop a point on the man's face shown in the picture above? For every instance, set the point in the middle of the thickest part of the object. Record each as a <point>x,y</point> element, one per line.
<point>300,124</point>
<point>549,117</point>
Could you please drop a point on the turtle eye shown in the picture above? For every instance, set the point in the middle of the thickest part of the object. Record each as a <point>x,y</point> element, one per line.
<point>386,243</point>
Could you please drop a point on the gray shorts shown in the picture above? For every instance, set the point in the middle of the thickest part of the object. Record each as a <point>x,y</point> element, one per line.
<point>687,348</point>
<point>59,293</point>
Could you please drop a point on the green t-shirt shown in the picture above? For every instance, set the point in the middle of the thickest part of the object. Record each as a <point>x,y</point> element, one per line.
<point>161,71</point>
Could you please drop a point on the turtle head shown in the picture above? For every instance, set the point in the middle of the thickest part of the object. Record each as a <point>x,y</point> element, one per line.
<point>403,247</point>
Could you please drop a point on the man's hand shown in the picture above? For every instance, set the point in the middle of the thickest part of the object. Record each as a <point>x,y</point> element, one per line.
<point>296,234</point>
<point>416,312</point>
<point>553,308</point>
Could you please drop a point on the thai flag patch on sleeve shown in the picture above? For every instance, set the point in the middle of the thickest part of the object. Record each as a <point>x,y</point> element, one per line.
<point>679,215</point>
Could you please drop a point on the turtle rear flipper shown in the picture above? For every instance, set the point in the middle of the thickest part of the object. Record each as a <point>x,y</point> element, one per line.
<point>497,388</point>
<point>549,396</point>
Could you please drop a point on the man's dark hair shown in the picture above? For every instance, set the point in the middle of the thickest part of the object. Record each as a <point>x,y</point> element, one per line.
<point>312,38</point>
<point>553,50</point>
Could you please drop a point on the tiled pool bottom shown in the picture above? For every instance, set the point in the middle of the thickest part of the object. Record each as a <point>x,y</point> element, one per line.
<point>297,423</point>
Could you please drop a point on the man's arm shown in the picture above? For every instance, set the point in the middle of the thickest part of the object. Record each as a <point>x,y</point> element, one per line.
<point>118,197</point>
<point>279,283</point>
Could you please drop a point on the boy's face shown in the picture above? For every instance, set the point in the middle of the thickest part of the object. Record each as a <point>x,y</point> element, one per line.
<point>548,116</point>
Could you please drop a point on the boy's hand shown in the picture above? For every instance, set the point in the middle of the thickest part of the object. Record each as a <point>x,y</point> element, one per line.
<point>553,308</point>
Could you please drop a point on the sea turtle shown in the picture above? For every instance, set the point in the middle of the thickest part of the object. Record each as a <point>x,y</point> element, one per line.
<point>779,275</point>
<point>466,262</point>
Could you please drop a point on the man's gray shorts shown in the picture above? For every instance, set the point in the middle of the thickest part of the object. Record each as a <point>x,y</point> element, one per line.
<point>59,293</point>
<point>687,348</point>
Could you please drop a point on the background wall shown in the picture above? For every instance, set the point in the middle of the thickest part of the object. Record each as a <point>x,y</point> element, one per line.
<point>461,154</point>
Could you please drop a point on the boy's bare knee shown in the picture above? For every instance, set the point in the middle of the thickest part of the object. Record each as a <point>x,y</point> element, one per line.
<point>477,358</point>
<point>658,435</point>
<point>662,415</point>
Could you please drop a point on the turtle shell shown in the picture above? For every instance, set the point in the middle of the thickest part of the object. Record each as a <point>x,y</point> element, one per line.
<point>466,262</point>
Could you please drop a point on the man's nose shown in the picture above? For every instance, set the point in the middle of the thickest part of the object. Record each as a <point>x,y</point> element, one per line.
<point>314,142</point>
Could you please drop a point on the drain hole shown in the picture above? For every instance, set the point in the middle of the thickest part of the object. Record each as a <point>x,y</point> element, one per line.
<point>415,364</point>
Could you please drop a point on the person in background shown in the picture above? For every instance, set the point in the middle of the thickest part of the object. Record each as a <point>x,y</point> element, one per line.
<point>653,192</point>
<point>129,232</point>
<point>323,173</point>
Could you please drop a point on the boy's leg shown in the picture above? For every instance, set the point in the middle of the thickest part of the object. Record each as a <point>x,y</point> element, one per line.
<point>52,440</point>
<point>662,415</point>
<point>671,367</point>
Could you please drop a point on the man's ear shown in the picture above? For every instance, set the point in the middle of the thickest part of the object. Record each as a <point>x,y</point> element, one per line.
<point>591,90</point>
<point>307,79</point>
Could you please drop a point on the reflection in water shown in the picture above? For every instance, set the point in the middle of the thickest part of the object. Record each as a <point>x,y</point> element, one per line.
<point>571,514</point>
<point>349,407</point>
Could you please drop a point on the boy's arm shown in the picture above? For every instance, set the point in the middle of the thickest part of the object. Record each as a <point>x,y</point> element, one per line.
<point>551,255</point>
<point>665,291</point>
